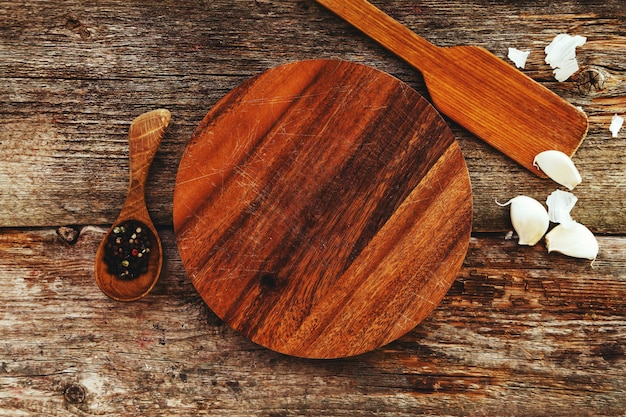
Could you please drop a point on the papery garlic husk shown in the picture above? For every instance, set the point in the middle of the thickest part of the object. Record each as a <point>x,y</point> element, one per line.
<point>616,124</point>
<point>518,57</point>
<point>560,204</point>
<point>561,55</point>
<point>529,218</point>
<point>572,239</point>
<point>559,167</point>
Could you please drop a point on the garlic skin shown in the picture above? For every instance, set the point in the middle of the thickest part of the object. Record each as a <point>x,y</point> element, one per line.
<point>559,167</point>
<point>529,218</point>
<point>560,204</point>
<point>616,124</point>
<point>573,239</point>
<point>518,57</point>
<point>561,55</point>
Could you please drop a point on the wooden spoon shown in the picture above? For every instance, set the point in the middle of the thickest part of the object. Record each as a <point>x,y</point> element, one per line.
<point>478,90</point>
<point>144,137</point>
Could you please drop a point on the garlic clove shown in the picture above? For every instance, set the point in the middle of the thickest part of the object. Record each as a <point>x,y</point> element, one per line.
<point>573,239</point>
<point>529,218</point>
<point>559,167</point>
<point>560,204</point>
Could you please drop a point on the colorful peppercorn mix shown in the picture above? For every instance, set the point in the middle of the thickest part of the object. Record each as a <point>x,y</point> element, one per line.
<point>127,250</point>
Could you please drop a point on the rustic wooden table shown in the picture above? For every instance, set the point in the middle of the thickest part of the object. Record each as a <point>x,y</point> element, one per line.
<point>521,332</point>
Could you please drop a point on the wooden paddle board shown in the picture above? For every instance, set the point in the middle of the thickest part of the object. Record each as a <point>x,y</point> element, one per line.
<point>322,208</point>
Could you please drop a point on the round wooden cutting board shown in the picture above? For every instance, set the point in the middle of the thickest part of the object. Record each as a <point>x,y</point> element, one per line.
<point>322,209</point>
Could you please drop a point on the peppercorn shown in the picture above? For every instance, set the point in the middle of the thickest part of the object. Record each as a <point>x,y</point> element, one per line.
<point>127,250</point>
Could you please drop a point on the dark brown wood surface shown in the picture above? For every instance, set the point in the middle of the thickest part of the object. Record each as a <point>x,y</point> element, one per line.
<point>312,209</point>
<point>519,333</point>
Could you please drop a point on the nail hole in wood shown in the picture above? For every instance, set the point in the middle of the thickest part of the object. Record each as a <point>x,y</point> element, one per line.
<point>74,394</point>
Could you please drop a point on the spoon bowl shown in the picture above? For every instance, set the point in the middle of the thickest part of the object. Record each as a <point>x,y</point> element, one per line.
<point>144,138</point>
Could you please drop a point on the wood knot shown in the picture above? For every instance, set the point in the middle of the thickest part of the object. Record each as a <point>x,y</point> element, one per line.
<point>269,281</point>
<point>588,80</point>
<point>74,394</point>
<point>69,234</point>
<point>77,27</point>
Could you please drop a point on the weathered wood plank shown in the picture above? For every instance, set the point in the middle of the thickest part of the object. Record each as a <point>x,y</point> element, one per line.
<point>73,76</point>
<point>520,333</point>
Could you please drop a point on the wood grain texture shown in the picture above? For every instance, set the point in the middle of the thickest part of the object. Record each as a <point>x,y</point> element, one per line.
<point>520,333</point>
<point>312,208</point>
<point>68,99</point>
<point>507,109</point>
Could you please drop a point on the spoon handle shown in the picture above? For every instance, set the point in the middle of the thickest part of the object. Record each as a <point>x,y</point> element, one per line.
<point>144,138</point>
